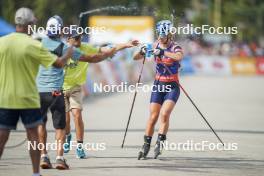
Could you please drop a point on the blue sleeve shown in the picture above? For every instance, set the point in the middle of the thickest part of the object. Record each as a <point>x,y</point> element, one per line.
<point>76,53</point>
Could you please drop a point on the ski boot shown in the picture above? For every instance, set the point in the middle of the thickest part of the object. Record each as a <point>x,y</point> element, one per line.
<point>145,148</point>
<point>159,147</point>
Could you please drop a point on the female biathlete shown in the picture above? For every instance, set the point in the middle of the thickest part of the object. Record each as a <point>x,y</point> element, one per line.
<point>167,56</point>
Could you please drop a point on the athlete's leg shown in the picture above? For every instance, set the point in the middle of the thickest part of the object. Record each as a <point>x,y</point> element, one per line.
<point>156,100</point>
<point>170,100</point>
<point>154,115</point>
<point>165,112</point>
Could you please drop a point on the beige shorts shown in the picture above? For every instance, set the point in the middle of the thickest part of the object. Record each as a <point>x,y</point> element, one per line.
<point>73,98</point>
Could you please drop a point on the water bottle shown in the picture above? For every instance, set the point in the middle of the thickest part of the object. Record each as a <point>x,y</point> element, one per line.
<point>149,50</point>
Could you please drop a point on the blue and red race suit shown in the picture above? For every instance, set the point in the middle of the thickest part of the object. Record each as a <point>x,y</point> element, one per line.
<point>166,74</point>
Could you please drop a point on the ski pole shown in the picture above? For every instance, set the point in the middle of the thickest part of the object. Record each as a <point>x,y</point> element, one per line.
<point>187,95</point>
<point>133,102</point>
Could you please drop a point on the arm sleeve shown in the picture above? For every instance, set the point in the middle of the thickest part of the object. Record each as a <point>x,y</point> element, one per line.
<point>41,55</point>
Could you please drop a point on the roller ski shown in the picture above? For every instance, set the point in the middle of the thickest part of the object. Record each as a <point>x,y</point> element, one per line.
<point>157,150</point>
<point>145,148</point>
<point>159,147</point>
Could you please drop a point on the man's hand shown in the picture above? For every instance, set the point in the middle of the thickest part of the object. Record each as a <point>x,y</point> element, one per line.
<point>132,43</point>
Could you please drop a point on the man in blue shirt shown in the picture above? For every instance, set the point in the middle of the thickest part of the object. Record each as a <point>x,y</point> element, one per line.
<point>50,82</point>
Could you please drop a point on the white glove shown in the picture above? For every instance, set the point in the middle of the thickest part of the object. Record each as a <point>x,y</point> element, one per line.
<point>143,50</point>
<point>158,52</point>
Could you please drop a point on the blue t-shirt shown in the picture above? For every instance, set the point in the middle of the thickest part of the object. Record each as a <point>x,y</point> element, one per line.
<point>51,79</point>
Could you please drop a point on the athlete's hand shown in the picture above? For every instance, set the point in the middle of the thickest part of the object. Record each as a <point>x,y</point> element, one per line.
<point>158,52</point>
<point>143,50</point>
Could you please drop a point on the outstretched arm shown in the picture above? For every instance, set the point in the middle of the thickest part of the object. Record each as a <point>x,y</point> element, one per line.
<point>105,53</point>
<point>94,58</point>
<point>129,44</point>
<point>120,47</point>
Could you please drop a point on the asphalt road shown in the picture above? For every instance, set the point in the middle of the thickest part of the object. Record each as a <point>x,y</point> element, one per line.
<point>233,106</point>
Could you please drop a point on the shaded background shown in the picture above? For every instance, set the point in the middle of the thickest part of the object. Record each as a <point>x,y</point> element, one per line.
<point>208,54</point>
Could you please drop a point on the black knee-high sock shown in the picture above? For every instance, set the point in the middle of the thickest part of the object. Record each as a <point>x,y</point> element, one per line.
<point>147,139</point>
<point>161,137</point>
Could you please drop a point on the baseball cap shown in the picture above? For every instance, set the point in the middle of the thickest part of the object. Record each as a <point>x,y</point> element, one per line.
<point>54,25</point>
<point>24,16</point>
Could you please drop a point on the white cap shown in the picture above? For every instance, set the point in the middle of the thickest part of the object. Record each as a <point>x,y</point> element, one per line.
<point>54,25</point>
<point>24,16</point>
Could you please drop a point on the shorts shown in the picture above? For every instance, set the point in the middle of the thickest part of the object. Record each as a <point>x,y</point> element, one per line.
<point>56,106</point>
<point>31,118</point>
<point>159,95</point>
<point>73,98</point>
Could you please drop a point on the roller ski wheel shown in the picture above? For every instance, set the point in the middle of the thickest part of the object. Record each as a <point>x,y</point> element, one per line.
<point>144,151</point>
<point>140,155</point>
<point>157,150</point>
